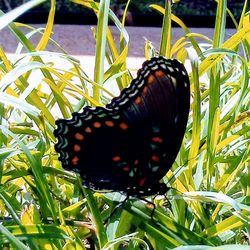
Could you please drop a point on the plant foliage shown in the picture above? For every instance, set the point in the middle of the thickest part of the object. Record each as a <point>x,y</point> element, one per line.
<point>44,207</point>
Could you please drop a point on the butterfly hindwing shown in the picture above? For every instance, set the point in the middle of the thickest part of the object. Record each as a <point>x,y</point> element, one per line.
<point>131,143</point>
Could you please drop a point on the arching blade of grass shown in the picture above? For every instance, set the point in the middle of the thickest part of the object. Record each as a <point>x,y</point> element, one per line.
<point>196,130</point>
<point>27,232</point>
<point>12,206</point>
<point>231,43</point>
<point>181,24</point>
<point>166,36</point>
<point>100,45</point>
<point>49,27</point>
<point>32,175</point>
<point>117,57</point>
<point>35,166</point>
<point>32,98</point>
<point>214,90</point>
<point>167,228</point>
<point>100,230</point>
<point>6,234</point>
<point>5,19</point>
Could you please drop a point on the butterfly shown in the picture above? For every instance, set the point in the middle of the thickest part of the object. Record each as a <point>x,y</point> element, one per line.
<point>131,143</point>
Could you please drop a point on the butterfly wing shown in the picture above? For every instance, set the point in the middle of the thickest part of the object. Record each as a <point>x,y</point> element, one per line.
<point>131,143</point>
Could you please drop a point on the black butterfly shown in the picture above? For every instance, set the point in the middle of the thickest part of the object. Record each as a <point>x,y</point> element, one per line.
<point>130,144</point>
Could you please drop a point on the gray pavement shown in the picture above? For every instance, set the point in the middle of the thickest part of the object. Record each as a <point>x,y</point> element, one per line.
<point>78,40</point>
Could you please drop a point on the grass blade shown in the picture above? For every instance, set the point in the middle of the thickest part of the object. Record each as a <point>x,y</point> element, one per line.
<point>5,19</point>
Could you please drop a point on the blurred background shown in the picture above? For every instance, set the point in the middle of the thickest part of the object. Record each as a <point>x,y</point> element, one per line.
<point>195,13</point>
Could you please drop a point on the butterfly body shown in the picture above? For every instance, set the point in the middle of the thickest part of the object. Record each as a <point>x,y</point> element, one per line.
<point>130,144</point>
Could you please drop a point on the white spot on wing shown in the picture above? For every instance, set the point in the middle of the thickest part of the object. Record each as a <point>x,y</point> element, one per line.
<point>141,83</point>
<point>154,67</point>
<point>78,124</point>
<point>124,101</point>
<point>147,73</point>
<point>131,174</point>
<point>176,119</point>
<point>173,80</point>
<point>163,66</point>
<point>154,169</point>
<point>170,69</point>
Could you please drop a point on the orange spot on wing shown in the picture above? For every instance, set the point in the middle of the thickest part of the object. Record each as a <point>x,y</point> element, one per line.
<point>159,73</point>
<point>145,90</point>
<point>77,148</point>
<point>79,136</point>
<point>142,182</point>
<point>97,124</point>
<point>155,158</point>
<point>116,158</point>
<point>157,139</point>
<point>123,125</point>
<point>126,168</point>
<point>75,160</point>
<point>88,130</point>
<point>136,162</point>
<point>138,100</point>
<point>109,123</point>
<point>151,79</point>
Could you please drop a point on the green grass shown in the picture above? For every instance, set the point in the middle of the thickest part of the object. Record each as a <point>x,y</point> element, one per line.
<point>44,207</point>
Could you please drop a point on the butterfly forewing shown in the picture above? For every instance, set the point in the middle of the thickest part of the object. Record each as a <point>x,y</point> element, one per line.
<point>129,145</point>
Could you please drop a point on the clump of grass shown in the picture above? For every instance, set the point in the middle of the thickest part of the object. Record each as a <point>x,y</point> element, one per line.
<point>44,207</point>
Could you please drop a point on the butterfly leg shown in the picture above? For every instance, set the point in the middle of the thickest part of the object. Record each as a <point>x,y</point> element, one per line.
<point>120,205</point>
<point>153,210</point>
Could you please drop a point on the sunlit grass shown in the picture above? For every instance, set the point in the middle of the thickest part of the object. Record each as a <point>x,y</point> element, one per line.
<point>44,207</point>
